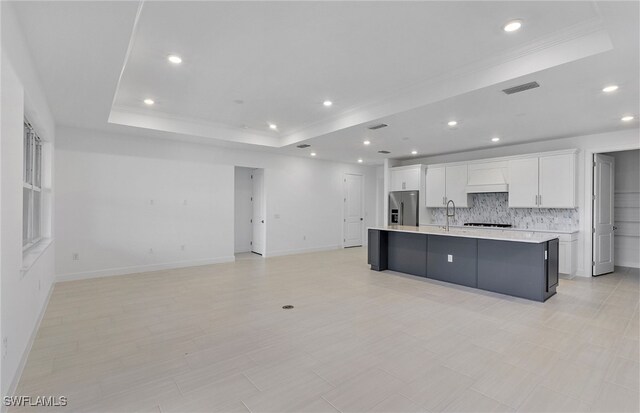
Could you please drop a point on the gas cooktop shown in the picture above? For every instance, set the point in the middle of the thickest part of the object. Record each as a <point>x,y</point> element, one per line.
<point>486,224</point>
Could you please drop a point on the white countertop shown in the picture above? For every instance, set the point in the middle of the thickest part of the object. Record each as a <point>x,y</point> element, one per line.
<point>517,236</point>
<point>551,231</point>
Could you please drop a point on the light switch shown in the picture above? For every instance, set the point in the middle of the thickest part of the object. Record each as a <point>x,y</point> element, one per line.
<point>449,258</point>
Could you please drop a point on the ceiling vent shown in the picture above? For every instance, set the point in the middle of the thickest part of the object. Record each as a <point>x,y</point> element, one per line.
<point>385,152</point>
<point>378,126</point>
<point>521,88</point>
<point>304,145</point>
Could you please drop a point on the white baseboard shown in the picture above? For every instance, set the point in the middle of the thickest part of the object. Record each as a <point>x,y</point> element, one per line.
<point>13,386</point>
<point>141,268</point>
<point>302,251</point>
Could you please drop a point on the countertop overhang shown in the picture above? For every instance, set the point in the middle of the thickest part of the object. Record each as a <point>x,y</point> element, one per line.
<point>515,236</point>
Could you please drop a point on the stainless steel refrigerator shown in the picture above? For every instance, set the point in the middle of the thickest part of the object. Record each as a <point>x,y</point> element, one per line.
<point>403,208</point>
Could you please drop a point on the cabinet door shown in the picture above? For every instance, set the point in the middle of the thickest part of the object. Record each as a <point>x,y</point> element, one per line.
<point>435,187</point>
<point>397,178</point>
<point>557,181</point>
<point>523,183</point>
<point>412,179</point>
<point>564,257</point>
<point>456,185</point>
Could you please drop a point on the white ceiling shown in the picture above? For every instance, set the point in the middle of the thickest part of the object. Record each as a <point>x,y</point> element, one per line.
<point>412,65</point>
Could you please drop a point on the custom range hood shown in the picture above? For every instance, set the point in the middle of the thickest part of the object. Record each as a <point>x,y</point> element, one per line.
<point>487,177</point>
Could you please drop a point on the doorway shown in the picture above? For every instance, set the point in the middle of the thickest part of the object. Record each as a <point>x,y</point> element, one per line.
<point>615,211</point>
<point>249,217</point>
<point>353,211</point>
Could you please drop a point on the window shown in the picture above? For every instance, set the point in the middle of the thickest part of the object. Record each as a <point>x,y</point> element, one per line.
<point>31,188</point>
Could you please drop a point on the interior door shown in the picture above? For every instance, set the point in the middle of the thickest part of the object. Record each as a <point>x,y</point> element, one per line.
<point>603,187</point>
<point>259,231</point>
<point>353,219</point>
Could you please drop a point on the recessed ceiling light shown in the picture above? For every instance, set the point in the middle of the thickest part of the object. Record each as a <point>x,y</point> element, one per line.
<point>175,59</point>
<point>496,139</point>
<point>452,123</point>
<point>313,154</point>
<point>273,126</point>
<point>149,102</point>
<point>366,142</point>
<point>327,103</point>
<point>513,26</point>
<point>628,118</point>
<point>360,161</point>
<point>414,152</point>
<point>610,88</point>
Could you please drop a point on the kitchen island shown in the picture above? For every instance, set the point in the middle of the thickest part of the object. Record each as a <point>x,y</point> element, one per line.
<point>518,264</point>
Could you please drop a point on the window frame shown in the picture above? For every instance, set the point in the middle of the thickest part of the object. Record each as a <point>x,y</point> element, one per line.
<point>32,184</point>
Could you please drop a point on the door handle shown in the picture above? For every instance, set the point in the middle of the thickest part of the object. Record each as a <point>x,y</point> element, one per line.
<point>360,219</point>
<point>262,221</point>
<point>402,212</point>
<point>615,228</point>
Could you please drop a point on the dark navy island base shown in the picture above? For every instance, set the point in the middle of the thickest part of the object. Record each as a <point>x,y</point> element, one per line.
<point>521,269</point>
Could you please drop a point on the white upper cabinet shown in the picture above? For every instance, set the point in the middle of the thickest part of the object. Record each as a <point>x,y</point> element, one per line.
<point>435,187</point>
<point>456,185</point>
<point>557,181</point>
<point>405,178</point>
<point>523,183</point>
<point>444,183</point>
<point>546,181</point>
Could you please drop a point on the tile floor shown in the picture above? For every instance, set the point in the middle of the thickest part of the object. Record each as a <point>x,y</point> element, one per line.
<point>216,338</point>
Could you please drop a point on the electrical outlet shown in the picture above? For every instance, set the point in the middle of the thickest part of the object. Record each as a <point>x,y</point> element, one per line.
<point>182,247</point>
<point>449,258</point>
<point>304,237</point>
<point>184,202</point>
<point>150,250</point>
<point>151,202</point>
<point>75,256</point>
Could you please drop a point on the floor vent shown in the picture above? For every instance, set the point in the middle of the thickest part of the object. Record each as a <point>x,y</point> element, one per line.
<point>378,126</point>
<point>304,145</point>
<point>287,307</point>
<point>521,88</point>
<point>385,152</point>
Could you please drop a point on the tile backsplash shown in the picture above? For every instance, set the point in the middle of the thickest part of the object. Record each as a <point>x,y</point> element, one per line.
<point>493,207</point>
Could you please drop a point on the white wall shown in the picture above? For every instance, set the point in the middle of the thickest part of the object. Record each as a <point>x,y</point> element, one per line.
<point>105,183</point>
<point>243,210</point>
<point>24,292</point>
<point>588,144</point>
<point>627,208</point>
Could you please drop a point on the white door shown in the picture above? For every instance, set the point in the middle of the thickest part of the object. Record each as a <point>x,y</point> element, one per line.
<point>456,185</point>
<point>523,183</point>
<point>353,216</point>
<point>435,187</point>
<point>603,174</point>
<point>259,231</point>
<point>557,181</point>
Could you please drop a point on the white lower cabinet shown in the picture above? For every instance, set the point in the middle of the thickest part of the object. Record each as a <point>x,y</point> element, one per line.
<point>568,254</point>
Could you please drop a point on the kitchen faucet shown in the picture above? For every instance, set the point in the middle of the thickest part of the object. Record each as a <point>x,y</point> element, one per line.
<point>453,215</point>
